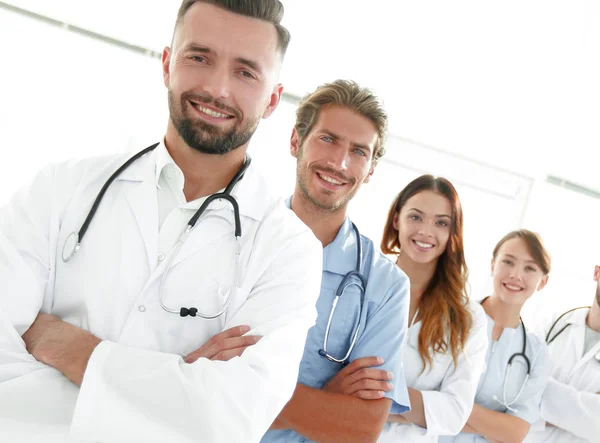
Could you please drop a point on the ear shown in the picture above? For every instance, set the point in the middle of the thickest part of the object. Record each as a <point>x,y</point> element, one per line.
<point>166,60</point>
<point>368,177</point>
<point>596,272</point>
<point>543,283</point>
<point>294,143</point>
<point>395,221</point>
<point>274,100</point>
<point>492,265</point>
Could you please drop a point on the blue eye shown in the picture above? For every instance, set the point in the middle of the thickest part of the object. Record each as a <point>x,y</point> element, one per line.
<point>327,139</point>
<point>360,152</point>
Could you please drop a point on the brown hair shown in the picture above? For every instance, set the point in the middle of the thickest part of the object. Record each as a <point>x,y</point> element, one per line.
<point>534,244</point>
<point>445,317</point>
<point>268,10</point>
<point>348,94</point>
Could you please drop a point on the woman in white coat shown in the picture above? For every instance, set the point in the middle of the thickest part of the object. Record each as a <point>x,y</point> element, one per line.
<point>571,403</point>
<point>446,340</point>
<point>517,365</point>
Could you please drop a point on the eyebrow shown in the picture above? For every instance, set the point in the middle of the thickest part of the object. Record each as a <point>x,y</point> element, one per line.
<point>437,215</point>
<point>339,137</point>
<point>195,47</point>
<point>526,261</point>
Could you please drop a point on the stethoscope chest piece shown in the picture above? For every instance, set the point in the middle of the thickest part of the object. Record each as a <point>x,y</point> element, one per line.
<point>71,246</point>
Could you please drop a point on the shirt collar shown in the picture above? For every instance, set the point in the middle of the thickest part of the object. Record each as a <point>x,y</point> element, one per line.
<point>165,162</point>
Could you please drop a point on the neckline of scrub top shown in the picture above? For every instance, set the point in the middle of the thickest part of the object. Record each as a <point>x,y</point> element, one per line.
<point>339,256</point>
<point>510,333</point>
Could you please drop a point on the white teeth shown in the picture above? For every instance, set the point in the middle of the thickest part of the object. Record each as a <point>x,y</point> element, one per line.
<point>330,180</point>
<point>513,288</point>
<point>423,245</point>
<point>211,112</point>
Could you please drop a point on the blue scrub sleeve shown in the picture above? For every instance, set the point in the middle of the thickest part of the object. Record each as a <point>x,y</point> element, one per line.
<point>384,337</point>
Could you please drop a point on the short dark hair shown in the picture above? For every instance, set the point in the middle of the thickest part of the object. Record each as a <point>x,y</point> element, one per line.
<point>268,10</point>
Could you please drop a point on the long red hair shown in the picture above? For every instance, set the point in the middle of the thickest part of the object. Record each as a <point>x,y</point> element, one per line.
<point>445,317</point>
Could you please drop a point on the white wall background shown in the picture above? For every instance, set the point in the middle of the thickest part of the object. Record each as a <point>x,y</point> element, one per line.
<point>494,96</point>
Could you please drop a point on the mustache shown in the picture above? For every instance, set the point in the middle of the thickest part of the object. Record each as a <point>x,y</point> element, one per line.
<point>209,100</point>
<point>336,174</point>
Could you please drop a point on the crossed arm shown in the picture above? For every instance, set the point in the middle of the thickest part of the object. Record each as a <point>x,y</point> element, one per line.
<point>496,426</point>
<point>350,407</point>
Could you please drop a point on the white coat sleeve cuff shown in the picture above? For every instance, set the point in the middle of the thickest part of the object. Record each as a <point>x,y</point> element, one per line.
<point>85,404</point>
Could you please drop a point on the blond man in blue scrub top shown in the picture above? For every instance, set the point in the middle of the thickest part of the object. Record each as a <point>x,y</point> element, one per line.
<point>349,381</point>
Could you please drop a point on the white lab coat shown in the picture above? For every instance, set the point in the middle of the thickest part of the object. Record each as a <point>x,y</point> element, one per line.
<point>448,392</point>
<point>570,401</point>
<point>136,386</point>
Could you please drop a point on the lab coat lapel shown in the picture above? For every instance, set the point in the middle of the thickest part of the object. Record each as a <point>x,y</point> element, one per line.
<point>143,201</point>
<point>578,337</point>
<point>216,222</point>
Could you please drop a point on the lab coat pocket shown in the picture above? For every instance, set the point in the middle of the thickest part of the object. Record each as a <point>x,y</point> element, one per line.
<point>211,297</point>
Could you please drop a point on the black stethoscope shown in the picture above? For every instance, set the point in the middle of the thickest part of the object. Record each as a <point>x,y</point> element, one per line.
<point>352,278</point>
<point>522,355</point>
<point>550,340</point>
<point>73,241</point>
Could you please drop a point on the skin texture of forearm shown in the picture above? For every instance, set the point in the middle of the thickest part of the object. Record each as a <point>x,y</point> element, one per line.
<point>416,414</point>
<point>497,426</point>
<point>327,417</point>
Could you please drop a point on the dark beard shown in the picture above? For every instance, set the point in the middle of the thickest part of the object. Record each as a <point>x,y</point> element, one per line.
<point>207,138</point>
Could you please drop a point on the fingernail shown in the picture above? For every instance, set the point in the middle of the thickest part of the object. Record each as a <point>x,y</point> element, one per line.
<point>380,360</point>
<point>257,338</point>
<point>244,329</point>
<point>381,393</point>
<point>390,375</point>
<point>389,386</point>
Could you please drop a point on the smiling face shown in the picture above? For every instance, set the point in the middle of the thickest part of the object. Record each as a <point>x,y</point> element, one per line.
<point>221,77</point>
<point>334,158</point>
<point>423,226</point>
<point>516,273</point>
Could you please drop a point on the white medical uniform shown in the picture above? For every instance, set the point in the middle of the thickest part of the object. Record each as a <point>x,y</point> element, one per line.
<point>448,391</point>
<point>136,386</point>
<point>490,391</point>
<point>570,401</point>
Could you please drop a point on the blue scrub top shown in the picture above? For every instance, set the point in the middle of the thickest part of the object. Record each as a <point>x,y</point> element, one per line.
<point>383,321</point>
<point>490,389</point>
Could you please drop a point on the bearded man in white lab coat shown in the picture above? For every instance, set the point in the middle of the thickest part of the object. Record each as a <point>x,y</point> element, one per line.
<point>91,340</point>
<point>571,403</point>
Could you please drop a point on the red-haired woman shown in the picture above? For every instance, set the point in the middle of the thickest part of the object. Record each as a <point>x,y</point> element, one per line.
<point>447,337</point>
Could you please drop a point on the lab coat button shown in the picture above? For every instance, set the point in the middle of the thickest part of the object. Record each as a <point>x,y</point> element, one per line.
<point>142,308</point>
<point>161,257</point>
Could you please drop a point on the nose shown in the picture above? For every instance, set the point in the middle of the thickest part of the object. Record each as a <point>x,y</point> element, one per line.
<point>516,273</point>
<point>216,82</point>
<point>426,229</point>
<point>338,158</point>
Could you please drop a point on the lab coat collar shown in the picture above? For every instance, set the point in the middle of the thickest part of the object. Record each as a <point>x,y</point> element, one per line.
<point>339,257</point>
<point>577,318</point>
<point>246,192</point>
